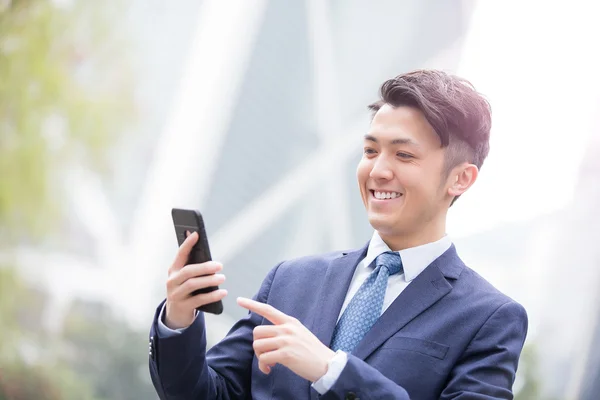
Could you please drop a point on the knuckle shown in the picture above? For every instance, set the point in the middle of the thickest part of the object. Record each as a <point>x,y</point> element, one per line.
<point>285,340</point>
<point>177,276</point>
<point>285,355</point>
<point>171,281</point>
<point>188,285</point>
<point>287,328</point>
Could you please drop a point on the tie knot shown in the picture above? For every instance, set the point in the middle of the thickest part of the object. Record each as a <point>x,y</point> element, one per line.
<point>391,260</point>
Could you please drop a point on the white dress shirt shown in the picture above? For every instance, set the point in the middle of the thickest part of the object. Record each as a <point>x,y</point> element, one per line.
<point>414,261</point>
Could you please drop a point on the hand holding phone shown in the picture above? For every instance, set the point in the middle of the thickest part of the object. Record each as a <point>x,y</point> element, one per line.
<point>193,280</point>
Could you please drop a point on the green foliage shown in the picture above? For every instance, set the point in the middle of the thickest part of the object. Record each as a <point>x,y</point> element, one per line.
<point>108,353</point>
<point>96,357</point>
<point>25,382</point>
<point>528,372</point>
<point>50,379</point>
<point>64,97</point>
<point>11,293</point>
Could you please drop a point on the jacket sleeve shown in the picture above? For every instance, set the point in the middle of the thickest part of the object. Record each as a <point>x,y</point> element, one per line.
<point>361,381</point>
<point>181,368</point>
<point>488,367</point>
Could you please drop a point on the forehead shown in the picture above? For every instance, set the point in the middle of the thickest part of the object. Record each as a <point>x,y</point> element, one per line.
<point>404,122</point>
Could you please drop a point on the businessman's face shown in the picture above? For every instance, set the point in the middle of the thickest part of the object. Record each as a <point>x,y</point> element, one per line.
<point>401,175</point>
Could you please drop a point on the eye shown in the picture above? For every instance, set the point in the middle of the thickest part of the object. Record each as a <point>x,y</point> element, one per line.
<point>405,156</point>
<point>369,151</point>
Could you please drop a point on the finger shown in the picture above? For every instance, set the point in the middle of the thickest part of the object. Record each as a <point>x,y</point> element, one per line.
<point>196,270</point>
<point>261,346</point>
<point>265,331</point>
<point>203,299</point>
<point>264,310</point>
<point>200,282</point>
<point>279,356</point>
<point>266,369</point>
<point>184,252</point>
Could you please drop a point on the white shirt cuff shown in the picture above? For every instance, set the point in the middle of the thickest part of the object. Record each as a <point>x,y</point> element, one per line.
<point>163,330</point>
<point>334,370</point>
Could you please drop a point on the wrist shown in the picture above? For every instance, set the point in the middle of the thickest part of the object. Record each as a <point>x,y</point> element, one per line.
<point>177,323</point>
<point>334,370</point>
<point>324,364</point>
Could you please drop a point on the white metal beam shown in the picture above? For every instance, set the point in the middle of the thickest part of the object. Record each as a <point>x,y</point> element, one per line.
<point>188,150</point>
<point>328,115</point>
<point>259,215</point>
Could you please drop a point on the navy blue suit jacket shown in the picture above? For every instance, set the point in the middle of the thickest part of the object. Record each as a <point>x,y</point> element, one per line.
<point>448,335</point>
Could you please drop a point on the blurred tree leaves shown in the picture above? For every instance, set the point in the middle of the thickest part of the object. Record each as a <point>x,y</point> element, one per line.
<point>528,367</point>
<point>27,368</point>
<point>26,382</point>
<point>65,95</point>
<point>108,353</point>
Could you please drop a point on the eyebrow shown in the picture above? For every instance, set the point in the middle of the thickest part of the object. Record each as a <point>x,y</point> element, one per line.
<point>393,141</point>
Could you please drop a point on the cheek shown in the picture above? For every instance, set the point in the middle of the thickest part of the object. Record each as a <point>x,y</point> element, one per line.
<point>362,172</point>
<point>422,187</point>
<point>410,176</point>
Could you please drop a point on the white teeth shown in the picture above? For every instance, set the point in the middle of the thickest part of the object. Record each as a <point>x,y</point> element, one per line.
<point>386,195</point>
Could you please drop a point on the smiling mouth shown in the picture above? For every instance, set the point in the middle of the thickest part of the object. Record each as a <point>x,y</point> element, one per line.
<point>381,195</point>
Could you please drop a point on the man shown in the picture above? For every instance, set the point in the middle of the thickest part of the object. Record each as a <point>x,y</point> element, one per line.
<point>401,317</point>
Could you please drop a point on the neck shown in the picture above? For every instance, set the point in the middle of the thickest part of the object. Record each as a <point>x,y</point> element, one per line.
<point>430,233</point>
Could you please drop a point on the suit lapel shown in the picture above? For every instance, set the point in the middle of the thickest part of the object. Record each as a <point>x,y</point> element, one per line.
<point>333,293</point>
<point>424,291</point>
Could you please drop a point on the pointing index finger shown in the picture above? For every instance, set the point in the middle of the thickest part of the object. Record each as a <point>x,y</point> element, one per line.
<point>265,310</point>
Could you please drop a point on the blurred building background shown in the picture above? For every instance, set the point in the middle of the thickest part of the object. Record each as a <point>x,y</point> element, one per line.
<point>252,112</point>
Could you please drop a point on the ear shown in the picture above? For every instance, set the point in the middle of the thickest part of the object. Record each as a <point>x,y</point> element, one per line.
<point>462,178</point>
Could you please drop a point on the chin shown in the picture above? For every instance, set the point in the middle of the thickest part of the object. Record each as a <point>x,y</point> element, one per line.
<point>383,223</point>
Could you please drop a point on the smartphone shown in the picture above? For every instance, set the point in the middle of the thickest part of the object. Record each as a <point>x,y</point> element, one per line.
<point>191,221</point>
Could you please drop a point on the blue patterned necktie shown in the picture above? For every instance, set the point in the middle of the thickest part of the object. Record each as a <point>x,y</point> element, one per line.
<point>365,307</point>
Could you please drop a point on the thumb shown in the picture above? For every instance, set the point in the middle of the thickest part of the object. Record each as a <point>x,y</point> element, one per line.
<point>184,251</point>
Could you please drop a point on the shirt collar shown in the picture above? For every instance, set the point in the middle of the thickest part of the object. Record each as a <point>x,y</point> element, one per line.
<point>414,259</point>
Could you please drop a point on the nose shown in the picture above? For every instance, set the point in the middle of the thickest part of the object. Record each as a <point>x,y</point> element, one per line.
<point>381,169</point>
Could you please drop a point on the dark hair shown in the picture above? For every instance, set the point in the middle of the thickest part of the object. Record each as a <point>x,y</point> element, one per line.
<point>459,114</point>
